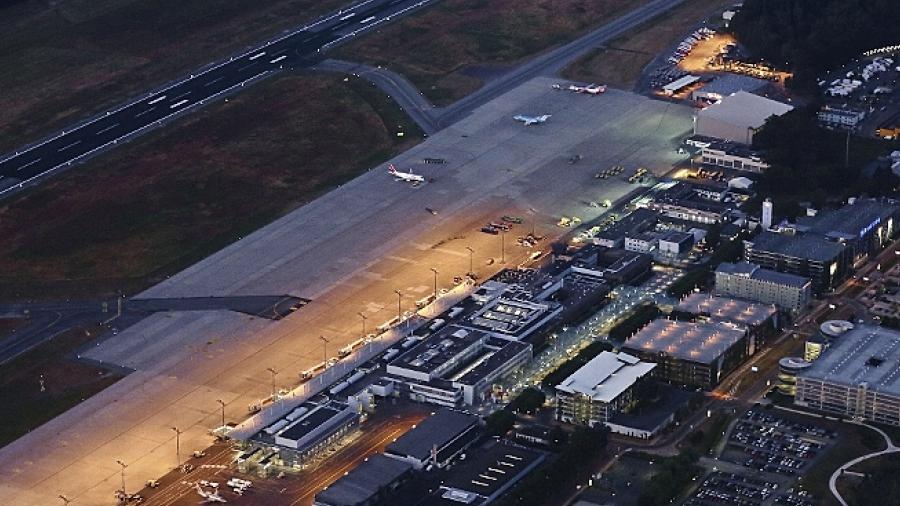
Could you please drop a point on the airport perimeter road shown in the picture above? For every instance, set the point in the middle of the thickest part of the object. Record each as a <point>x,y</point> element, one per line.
<point>298,48</point>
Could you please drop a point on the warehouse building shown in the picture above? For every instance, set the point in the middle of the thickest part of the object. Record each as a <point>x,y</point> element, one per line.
<point>367,484</point>
<point>752,282</point>
<point>436,440</point>
<point>737,117</point>
<point>599,389</point>
<point>725,85</point>
<point>858,377</point>
<point>486,475</point>
<point>689,353</point>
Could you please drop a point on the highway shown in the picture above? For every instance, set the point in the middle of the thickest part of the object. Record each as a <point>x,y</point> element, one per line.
<point>298,48</point>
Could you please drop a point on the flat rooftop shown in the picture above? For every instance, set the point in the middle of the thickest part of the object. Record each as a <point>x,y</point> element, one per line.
<point>695,342</point>
<point>364,481</point>
<point>486,472</point>
<point>850,219</point>
<point>606,376</point>
<point>753,271</point>
<point>498,353</point>
<point>312,420</point>
<point>808,246</point>
<point>727,309</point>
<point>866,354</point>
<point>508,316</point>
<point>437,430</point>
<point>434,351</point>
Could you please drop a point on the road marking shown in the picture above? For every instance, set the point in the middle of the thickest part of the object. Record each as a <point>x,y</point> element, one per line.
<point>68,146</point>
<point>29,164</point>
<point>348,16</point>
<point>214,81</point>
<point>257,55</point>
<point>157,99</point>
<point>178,104</point>
<point>370,18</point>
<point>138,115</point>
<point>107,129</point>
<point>181,96</point>
<point>276,60</point>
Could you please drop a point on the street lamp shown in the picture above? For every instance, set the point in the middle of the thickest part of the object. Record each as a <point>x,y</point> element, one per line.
<point>399,305</point>
<point>178,434</point>
<point>364,318</point>
<point>123,475</point>
<point>435,282</point>
<point>274,373</point>
<point>502,246</point>
<point>222,403</point>
<point>325,352</point>
<point>471,252</point>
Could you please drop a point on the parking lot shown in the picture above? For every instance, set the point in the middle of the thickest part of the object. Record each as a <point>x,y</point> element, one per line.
<point>732,488</point>
<point>771,444</point>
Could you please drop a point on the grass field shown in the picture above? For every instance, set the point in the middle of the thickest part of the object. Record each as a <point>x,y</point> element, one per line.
<point>147,210</point>
<point>450,48</point>
<point>66,383</point>
<point>65,59</point>
<point>622,61</point>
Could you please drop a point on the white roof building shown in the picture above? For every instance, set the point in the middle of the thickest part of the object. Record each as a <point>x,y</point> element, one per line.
<point>737,117</point>
<point>606,376</point>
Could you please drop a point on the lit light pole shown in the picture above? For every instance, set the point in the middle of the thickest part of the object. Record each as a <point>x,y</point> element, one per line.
<point>364,318</point>
<point>325,355</point>
<point>471,265</point>
<point>274,373</point>
<point>123,475</point>
<point>222,403</point>
<point>399,305</point>
<point>502,246</point>
<point>435,271</point>
<point>178,434</point>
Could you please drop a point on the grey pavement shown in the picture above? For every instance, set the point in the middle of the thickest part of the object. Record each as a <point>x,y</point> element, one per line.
<point>346,253</point>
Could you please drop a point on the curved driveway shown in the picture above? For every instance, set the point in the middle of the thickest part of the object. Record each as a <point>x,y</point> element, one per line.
<point>890,448</point>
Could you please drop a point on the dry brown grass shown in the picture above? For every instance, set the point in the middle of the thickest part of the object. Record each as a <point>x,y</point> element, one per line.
<point>149,209</point>
<point>442,48</point>
<point>66,59</point>
<point>621,63</point>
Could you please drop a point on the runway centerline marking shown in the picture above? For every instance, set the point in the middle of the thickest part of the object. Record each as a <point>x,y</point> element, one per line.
<point>138,115</point>
<point>29,164</point>
<point>107,129</point>
<point>157,99</point>
<point>67,146</point>
<point>214,81</point>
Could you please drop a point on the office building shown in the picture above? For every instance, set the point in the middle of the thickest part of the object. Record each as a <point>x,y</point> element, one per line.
<point>752,282</point>
<point>599,389</point>
<point>840,116</point>
<point>857,377</point>
<point>732,155</point>
<point>696,354</point>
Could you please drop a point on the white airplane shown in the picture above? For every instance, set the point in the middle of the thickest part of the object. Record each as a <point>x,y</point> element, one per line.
<point>209,496</point>
<point>405,176</point>
<point>591,89</point>
<point>532,120</point>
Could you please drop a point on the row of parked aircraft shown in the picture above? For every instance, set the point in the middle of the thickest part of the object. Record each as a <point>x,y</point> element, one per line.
<point>591,89</point>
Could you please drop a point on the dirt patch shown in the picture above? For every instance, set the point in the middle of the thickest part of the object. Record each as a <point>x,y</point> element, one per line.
<point>72,58</point>
<point>44,383</point>
<point>622,61</point>
<point>147,210</point>
<point>436,48</point>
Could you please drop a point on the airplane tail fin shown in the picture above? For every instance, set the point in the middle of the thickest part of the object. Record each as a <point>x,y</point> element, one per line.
<point>392,169</point>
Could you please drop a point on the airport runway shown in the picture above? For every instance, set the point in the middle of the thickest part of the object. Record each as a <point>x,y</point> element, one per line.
<point>299,48</point>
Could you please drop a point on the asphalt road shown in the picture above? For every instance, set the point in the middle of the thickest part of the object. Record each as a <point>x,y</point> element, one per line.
<point>299,48</point>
